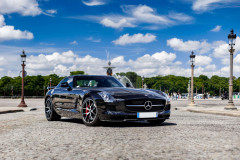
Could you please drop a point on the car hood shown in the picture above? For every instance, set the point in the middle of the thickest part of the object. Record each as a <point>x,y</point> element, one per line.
<point>132,93</point>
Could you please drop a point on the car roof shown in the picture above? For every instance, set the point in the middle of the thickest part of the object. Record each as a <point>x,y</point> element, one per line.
<point>82,75</point>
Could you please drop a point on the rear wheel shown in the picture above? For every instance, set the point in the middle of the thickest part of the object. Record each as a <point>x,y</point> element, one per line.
<point>156,122</point>
<point>50,113</point>
<point>90,112</point>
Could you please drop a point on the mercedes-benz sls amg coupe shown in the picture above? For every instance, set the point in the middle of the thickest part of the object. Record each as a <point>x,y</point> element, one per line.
<point>103,98</point>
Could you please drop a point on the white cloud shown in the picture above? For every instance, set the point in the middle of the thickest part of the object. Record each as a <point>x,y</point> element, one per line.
<point>180,45</point>
<point>2,21</point>
<point>221,50</point>
<point>121,23</point>
<point>225,61</point>
<point>137,15</point>
<point>164,57</point>
<point>23,7</point>
<point>218,48</point>
<point>62,63</point>
<point>136,38</point>
<point>51,11</point>
<point>225,70</point>
<point>236,60</point>
<point>216,29</point>
<point>181,17</point>
<point>204,5</point>
<point>2,61</point>
<point>93,39</point>
<point>9,33</point>
<point>211,67</point>
<point>208,5</point>
<point>74,43</point>
<point>159,63</point>
<point>118,61</point>
<point>94,2</point>
<point>47,44</point>
<point>203,60</point>
<point>147,14</point>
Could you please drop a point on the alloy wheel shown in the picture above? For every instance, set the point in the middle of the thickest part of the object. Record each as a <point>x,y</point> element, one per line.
<point>89,111</point>
<point>48,108</point>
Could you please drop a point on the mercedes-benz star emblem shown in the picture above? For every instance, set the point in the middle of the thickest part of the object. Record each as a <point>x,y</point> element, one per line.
<point>148,105</point>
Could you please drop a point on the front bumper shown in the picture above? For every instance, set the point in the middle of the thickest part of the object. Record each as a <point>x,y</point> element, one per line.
<point>118,111</point>
<point>125,116</point>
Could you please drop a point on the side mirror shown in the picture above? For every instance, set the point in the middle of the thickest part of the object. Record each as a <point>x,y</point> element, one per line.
<point>128,85</point>
<point>64,84</point>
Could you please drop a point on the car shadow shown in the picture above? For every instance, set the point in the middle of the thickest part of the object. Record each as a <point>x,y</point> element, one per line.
<point>120,124</point>
<point>134,124</point>
<point>72,120</point>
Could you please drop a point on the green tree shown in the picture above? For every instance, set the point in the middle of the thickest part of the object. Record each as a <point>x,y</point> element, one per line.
<point>76,73</point>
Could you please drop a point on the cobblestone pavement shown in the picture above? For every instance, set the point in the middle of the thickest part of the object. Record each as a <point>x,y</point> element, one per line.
<point>28,135</point>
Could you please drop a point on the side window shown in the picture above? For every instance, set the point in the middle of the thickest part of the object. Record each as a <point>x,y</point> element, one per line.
<point>69,80</point>
<point>63,80</point>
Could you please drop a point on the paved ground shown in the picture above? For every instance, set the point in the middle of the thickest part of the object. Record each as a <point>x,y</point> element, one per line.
<point>27,135</point>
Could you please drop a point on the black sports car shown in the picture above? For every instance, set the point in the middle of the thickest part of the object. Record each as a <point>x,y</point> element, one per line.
<point>104,98</point>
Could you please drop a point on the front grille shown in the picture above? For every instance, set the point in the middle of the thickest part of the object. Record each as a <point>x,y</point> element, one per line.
<point>138,105</point>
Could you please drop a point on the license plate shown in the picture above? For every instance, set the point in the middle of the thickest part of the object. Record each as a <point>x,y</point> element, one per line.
<point>147,114</point>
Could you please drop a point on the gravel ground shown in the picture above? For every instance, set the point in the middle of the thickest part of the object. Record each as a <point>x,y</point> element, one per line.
<point>28,135</point>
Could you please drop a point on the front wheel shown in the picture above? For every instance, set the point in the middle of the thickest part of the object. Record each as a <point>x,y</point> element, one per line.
<point>50,113</point>
<point>90,112</point>
<point>156,122</point>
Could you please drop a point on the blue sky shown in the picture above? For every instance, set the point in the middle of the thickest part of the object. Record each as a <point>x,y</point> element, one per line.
<point>148,37</point>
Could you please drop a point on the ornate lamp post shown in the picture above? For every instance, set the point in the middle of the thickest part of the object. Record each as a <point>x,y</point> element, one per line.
<point>23,59</point>
<point>189,82</point>
<point>109,69</point>
<point>44,90</point>
<point>12,90</point>
<point>231,41</point>
<point>192,60</point>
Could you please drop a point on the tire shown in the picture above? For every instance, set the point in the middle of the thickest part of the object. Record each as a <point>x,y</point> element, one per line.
<point>90,115</point>
<point>156,122</point>
<point>50,113</point>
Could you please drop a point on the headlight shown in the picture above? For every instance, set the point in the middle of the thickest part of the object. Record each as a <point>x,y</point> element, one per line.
<point>106,96</point>
<point>168,101</point>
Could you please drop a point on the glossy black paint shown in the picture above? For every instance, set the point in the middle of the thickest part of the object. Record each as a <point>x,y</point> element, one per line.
<point>67,101</point>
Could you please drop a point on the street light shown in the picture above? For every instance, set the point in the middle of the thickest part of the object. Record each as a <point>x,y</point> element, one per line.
<point>189,82</point>
<point>231,41</point>
<point>142,81</point>
<point>12,90</point>
<point>192,60</point>
<point>44,90</point>
<point>23,59</point>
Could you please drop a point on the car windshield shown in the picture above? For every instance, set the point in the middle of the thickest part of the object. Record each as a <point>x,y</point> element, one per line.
<point>97,81</point>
